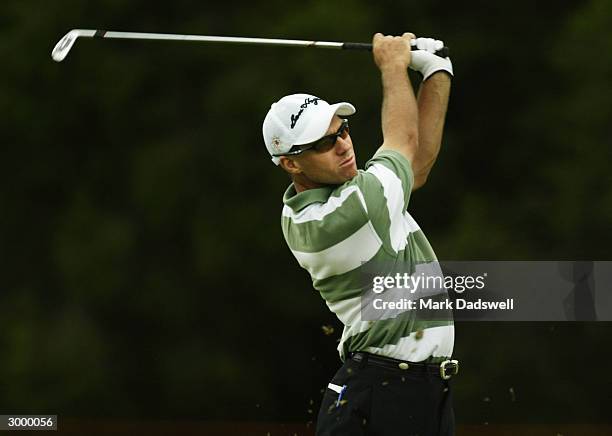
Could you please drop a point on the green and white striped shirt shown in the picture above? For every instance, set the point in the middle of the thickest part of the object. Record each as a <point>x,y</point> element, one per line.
<point>336,231</point>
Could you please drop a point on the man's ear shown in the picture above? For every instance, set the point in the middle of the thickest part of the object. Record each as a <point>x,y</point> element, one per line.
<point>290,165</point>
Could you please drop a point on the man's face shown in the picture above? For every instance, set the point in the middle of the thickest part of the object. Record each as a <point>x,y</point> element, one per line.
<point>332,167</point>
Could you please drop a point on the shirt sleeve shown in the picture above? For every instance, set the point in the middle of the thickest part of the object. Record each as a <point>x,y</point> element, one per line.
<point>394,173</point>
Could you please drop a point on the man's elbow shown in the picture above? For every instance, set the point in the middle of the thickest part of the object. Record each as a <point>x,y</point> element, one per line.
<point>419,181</point>
<point>421,172</point>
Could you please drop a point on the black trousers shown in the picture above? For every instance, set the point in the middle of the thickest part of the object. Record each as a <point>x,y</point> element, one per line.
<point>386,402</point>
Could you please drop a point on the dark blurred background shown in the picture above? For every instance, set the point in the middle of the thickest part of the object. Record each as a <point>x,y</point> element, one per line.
<point>144,273</point>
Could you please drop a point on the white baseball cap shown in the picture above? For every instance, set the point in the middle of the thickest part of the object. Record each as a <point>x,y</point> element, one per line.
<point>298,119</point>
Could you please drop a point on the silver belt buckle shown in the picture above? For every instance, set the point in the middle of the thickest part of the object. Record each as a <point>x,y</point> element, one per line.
<point>452,365</point>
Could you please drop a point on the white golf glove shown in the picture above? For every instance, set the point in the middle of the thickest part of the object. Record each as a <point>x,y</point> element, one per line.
<point>425,61</point>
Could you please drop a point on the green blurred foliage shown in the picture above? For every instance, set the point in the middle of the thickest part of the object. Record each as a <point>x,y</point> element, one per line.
<point>144,271</point>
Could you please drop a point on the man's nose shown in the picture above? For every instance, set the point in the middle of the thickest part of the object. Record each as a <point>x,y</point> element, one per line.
<point>342,145</point>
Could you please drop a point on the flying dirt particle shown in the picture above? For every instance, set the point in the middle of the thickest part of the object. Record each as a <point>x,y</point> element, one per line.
<point>327,329</point>
<point>418,335</point>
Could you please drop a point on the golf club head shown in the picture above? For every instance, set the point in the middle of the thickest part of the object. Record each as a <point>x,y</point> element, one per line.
<point>61,49</point>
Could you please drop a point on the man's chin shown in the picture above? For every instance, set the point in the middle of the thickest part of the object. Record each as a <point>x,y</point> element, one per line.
<point>349,174</point>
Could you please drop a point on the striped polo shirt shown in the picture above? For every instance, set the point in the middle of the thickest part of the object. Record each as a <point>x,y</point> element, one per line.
<point>335,232</point>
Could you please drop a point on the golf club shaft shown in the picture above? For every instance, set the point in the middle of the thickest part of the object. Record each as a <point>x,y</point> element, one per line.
<point>63,46</point>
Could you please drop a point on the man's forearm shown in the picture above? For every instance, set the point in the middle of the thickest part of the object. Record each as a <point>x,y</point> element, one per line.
<point>432,104</point>
<point>399,113</point>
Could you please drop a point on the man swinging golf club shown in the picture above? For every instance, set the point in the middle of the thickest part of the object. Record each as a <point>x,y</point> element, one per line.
<point>338,219</point>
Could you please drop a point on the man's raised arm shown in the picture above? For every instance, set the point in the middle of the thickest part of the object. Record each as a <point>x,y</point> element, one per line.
<point>399,109</point>
<point>432,103</point>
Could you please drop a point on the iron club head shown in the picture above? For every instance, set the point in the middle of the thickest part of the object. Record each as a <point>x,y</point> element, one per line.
<point>61,49</point>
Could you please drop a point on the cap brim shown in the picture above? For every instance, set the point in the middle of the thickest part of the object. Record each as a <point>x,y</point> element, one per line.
<point>345,109</point>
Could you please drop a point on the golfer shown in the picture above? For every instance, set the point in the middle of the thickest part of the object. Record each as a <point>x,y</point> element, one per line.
<point>337,220</point>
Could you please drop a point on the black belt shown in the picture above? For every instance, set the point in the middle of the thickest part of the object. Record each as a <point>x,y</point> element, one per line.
<point>445,369</point>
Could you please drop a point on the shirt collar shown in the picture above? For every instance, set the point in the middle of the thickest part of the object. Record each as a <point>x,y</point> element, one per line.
<point>299,200</point>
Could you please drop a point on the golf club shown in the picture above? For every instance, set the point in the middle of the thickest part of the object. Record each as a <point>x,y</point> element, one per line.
<point>61,49</point>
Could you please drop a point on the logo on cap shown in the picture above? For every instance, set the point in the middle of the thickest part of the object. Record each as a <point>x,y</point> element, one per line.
<point>276,143</point>
<point>295,118</point>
